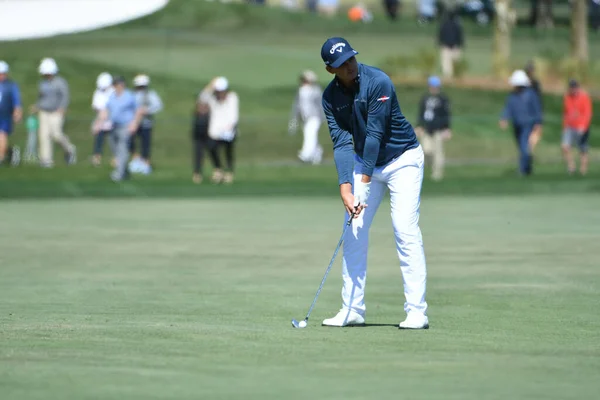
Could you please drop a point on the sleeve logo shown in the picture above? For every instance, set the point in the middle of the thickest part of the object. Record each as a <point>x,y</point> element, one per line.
<point>383,99</point>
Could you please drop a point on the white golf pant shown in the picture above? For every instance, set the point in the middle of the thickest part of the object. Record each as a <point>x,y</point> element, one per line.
<point>310,142</point>
<point>403,178</point>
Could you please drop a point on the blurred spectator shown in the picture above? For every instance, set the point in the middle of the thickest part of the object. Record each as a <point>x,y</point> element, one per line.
<point>200,139</point>
<point>101,95</point>
<point>328,7</point>
<point>523,109</point>
<point>594,7</point>
<point>53,100</point>
<point>125,115</point>
<point>223,126</point>
<point>11,112</point>
<point>537,87</point>
<point>360,13</point>
<point>391,8</point>
<point>308,107</point>
<point>451,42</point>
<point>427,10</point>
<point>577,118</point>
<point>433,126</point>
<point>149,101</point>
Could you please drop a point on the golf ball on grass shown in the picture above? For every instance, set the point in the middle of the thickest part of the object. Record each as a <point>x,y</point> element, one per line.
<point>302,324</point>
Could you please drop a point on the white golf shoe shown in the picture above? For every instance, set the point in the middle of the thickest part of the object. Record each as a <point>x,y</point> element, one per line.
<point>415,321</point>
<point>345,318</point>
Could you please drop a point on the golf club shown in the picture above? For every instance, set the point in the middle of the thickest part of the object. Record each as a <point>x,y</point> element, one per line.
<point>304,322</point>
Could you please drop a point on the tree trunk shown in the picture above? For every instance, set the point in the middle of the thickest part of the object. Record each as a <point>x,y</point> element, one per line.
<point>505,19</point>
<point>544,13</point>
<point>579,32</point>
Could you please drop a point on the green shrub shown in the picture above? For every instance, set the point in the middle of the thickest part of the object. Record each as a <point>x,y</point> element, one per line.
<point>425,62</point>
<point>461,67</point>
<point>399,64</point>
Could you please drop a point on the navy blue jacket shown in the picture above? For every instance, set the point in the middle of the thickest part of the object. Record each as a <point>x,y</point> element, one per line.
<point>367,121</point>
<point>523,108</point>
<point>10,98</point>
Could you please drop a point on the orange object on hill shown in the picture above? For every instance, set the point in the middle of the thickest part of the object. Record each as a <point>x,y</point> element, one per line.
<point>355,14</point>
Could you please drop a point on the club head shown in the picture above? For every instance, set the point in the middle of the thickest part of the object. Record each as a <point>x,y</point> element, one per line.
<point>299,325</point>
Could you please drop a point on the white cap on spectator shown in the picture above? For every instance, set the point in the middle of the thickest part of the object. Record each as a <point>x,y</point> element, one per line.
<point>519,78</point>
<point>3,67</point>
<point>221,84</point>
<point>309,76</point>
<point>48,67</point>
<point>104,80</point>
<point>141,80</point>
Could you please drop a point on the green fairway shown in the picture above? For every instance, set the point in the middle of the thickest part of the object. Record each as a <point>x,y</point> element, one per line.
<point>185,299</point>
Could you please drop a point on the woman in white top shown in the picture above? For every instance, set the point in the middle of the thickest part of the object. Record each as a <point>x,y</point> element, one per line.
<point>307,106</point>
<point>222,128</point>
<point>103,91</point>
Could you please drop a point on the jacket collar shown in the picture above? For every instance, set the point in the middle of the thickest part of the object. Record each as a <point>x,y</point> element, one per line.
<point>356,86</point>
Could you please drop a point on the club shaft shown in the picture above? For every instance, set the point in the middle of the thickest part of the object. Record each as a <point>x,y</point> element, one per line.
<point>330,265</point>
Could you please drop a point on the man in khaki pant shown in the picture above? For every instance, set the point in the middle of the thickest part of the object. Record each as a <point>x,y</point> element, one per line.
<point>433,126</point>
<point>451,42</point>
<point>52,104</point>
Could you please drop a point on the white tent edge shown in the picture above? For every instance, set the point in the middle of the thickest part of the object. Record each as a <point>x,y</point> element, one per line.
<point>90,15</point>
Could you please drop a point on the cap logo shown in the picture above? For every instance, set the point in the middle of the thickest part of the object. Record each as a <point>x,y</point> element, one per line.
<point>337,47</point>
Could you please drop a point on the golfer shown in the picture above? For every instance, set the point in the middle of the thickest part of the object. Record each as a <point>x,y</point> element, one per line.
<point>375,150</point>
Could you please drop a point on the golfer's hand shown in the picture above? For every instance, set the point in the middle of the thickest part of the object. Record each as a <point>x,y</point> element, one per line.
<point>503,124</point>
<point>362,190</point>
<point>348,200</point>
<point>447,134</point>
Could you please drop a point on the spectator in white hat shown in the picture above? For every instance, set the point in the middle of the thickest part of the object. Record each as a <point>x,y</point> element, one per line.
<point>523,109</point>
<point>103,91</point>
<point>10,111</point>
<point>51,105</point>
<point>308,107</point>
<point>149,101</point>
<point>223,126</point>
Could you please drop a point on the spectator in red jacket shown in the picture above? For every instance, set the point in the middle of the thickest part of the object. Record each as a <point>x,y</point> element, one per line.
<point>577,118</point>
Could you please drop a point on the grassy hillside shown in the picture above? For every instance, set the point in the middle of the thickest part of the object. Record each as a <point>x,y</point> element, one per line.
<point>261,51</point>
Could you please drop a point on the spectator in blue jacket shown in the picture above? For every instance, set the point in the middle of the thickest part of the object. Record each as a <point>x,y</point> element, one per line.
<point>10,108</point>
<point>523,109</point>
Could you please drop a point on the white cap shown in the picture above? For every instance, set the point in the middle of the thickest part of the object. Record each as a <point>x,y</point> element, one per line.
<point>3,67</point>
<point>221,84</point>
<point>48,67</point>
<point>309,76</point>
<point>104,80</point>
<point>141,80</point>
<point>519,78</point>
